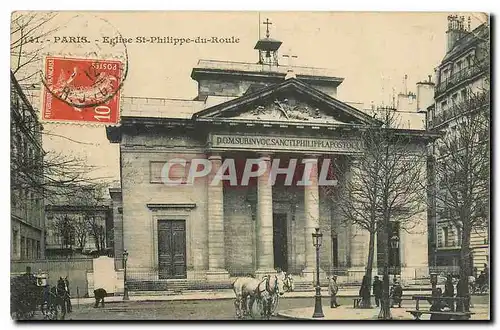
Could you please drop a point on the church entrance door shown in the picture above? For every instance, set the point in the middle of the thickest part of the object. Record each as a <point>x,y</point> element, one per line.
<point>280,240</point>
<point>172,249</point>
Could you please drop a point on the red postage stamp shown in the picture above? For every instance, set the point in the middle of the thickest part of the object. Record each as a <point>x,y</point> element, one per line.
<point>82,90</point>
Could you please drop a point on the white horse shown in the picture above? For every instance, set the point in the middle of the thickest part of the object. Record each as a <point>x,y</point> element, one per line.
<point>248,290</point>
<point>240,287</point>
<point>288,286</point>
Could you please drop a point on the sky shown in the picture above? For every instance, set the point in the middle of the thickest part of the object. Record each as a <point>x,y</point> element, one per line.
<point>371,51</point>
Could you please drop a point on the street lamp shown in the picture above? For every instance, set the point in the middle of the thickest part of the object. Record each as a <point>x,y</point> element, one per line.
<point>395,247</point>
<point>318,307</point>
<point>125,288</point>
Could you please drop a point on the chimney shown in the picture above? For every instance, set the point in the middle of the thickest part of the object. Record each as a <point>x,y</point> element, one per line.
<point>407,102</point>
<point>456,30</point>
<point>425,94</point>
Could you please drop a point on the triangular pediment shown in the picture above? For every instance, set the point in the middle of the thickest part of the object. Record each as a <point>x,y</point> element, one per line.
<point>290,101</point>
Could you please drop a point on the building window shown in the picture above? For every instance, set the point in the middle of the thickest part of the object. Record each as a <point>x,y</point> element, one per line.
<point>454,98</point>
<point>445,236</point>
<point>29,248</point>
<point>459,65</point>
<point>444,105</point>
<point>445,75</point>
<point>468,60</point>
<point>463,94</point>
<point>38,250</point>
<point>459,236</point>
<point>14,241</point>
<point>23,247</point>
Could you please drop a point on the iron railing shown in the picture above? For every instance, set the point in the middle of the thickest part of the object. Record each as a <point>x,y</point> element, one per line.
<point>475,102</point>
<point>458,77</point>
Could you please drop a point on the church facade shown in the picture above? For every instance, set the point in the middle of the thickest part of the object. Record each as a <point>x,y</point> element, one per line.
<point>198,228</point>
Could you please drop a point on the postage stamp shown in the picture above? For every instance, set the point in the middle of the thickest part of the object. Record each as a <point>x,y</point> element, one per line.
<point>81,90</point>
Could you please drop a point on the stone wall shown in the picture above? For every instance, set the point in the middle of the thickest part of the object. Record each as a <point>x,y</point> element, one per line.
<point>239,235</point>
<point>138,190</point>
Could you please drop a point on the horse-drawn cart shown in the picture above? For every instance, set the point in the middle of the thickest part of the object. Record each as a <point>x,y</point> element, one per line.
<point>29,294</point>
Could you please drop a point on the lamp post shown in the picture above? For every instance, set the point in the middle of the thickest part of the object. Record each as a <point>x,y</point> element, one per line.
<point>318,307</point>
<point>395,247</point>
<point>125,288</point>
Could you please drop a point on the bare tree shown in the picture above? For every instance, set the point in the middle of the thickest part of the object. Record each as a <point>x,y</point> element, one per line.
<point>64,229</point>
<point>27,32</point>
<point>84,216</point>
<point>382,187</point>
<point>462,156</point>
<point>463,172</point>
<point>91,200</point>
<point>81,231</point>
<point>47,174</point>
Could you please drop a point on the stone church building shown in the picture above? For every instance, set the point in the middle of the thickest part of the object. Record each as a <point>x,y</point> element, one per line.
<point>205,231</point>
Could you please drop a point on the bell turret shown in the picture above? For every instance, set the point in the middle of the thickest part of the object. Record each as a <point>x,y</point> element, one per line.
<point>268,48</point>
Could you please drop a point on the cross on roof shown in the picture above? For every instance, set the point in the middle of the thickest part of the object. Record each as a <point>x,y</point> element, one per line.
<point>267,26</point>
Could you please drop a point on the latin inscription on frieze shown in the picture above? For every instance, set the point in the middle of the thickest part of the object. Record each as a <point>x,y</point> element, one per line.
<point>285,143</point>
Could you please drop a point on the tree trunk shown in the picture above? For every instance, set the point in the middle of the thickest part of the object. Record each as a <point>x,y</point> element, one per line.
<point>385,308</point>
<point>465,268</point>
<point>369,267</point>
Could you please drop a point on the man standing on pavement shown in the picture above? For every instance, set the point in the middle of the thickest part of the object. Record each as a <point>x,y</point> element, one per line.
<point>333,288</point>
<point>463,292</point>
<point>486,271</point>
<point>449,291</point>
<point>377,290</point>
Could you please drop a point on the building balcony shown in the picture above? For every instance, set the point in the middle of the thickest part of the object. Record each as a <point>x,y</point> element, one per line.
<point>475,102</point>
<point>448,245</point>
<point>457,78</point>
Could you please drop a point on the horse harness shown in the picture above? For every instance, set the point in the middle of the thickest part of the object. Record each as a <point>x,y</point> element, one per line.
<point>288,283</point>
<point>268,288</point>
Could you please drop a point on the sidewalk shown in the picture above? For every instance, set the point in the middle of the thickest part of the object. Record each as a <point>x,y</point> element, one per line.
<point>216,295</point>
<point>350,313</point>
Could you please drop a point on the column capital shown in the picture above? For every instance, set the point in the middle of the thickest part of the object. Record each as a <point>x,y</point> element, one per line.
<point>214,156</point>
<point>265,156</point>
<point>310,159</point>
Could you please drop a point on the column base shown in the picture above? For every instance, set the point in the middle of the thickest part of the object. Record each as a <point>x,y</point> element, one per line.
<point>259,273</point>
<point>309,274</point>
<point>217,275</point>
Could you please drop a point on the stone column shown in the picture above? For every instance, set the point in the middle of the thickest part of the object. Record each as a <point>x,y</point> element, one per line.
<point>358,237</point>
<point>215,215</point>
<point>264,228</point>
<point>311,213</point>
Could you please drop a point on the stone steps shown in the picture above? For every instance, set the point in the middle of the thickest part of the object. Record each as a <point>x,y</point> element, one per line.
<point>177,285</point>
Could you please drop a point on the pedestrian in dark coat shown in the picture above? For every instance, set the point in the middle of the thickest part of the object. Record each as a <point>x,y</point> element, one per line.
<point>377,290</point>
<point>486,271</point>
<point>99,295</point>
<point>449,291</point>
<point>439,305</point>
<point>365,293</point>
<point>397,293</point>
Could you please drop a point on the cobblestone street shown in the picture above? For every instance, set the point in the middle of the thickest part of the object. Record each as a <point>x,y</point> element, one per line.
<point>200,309</point>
